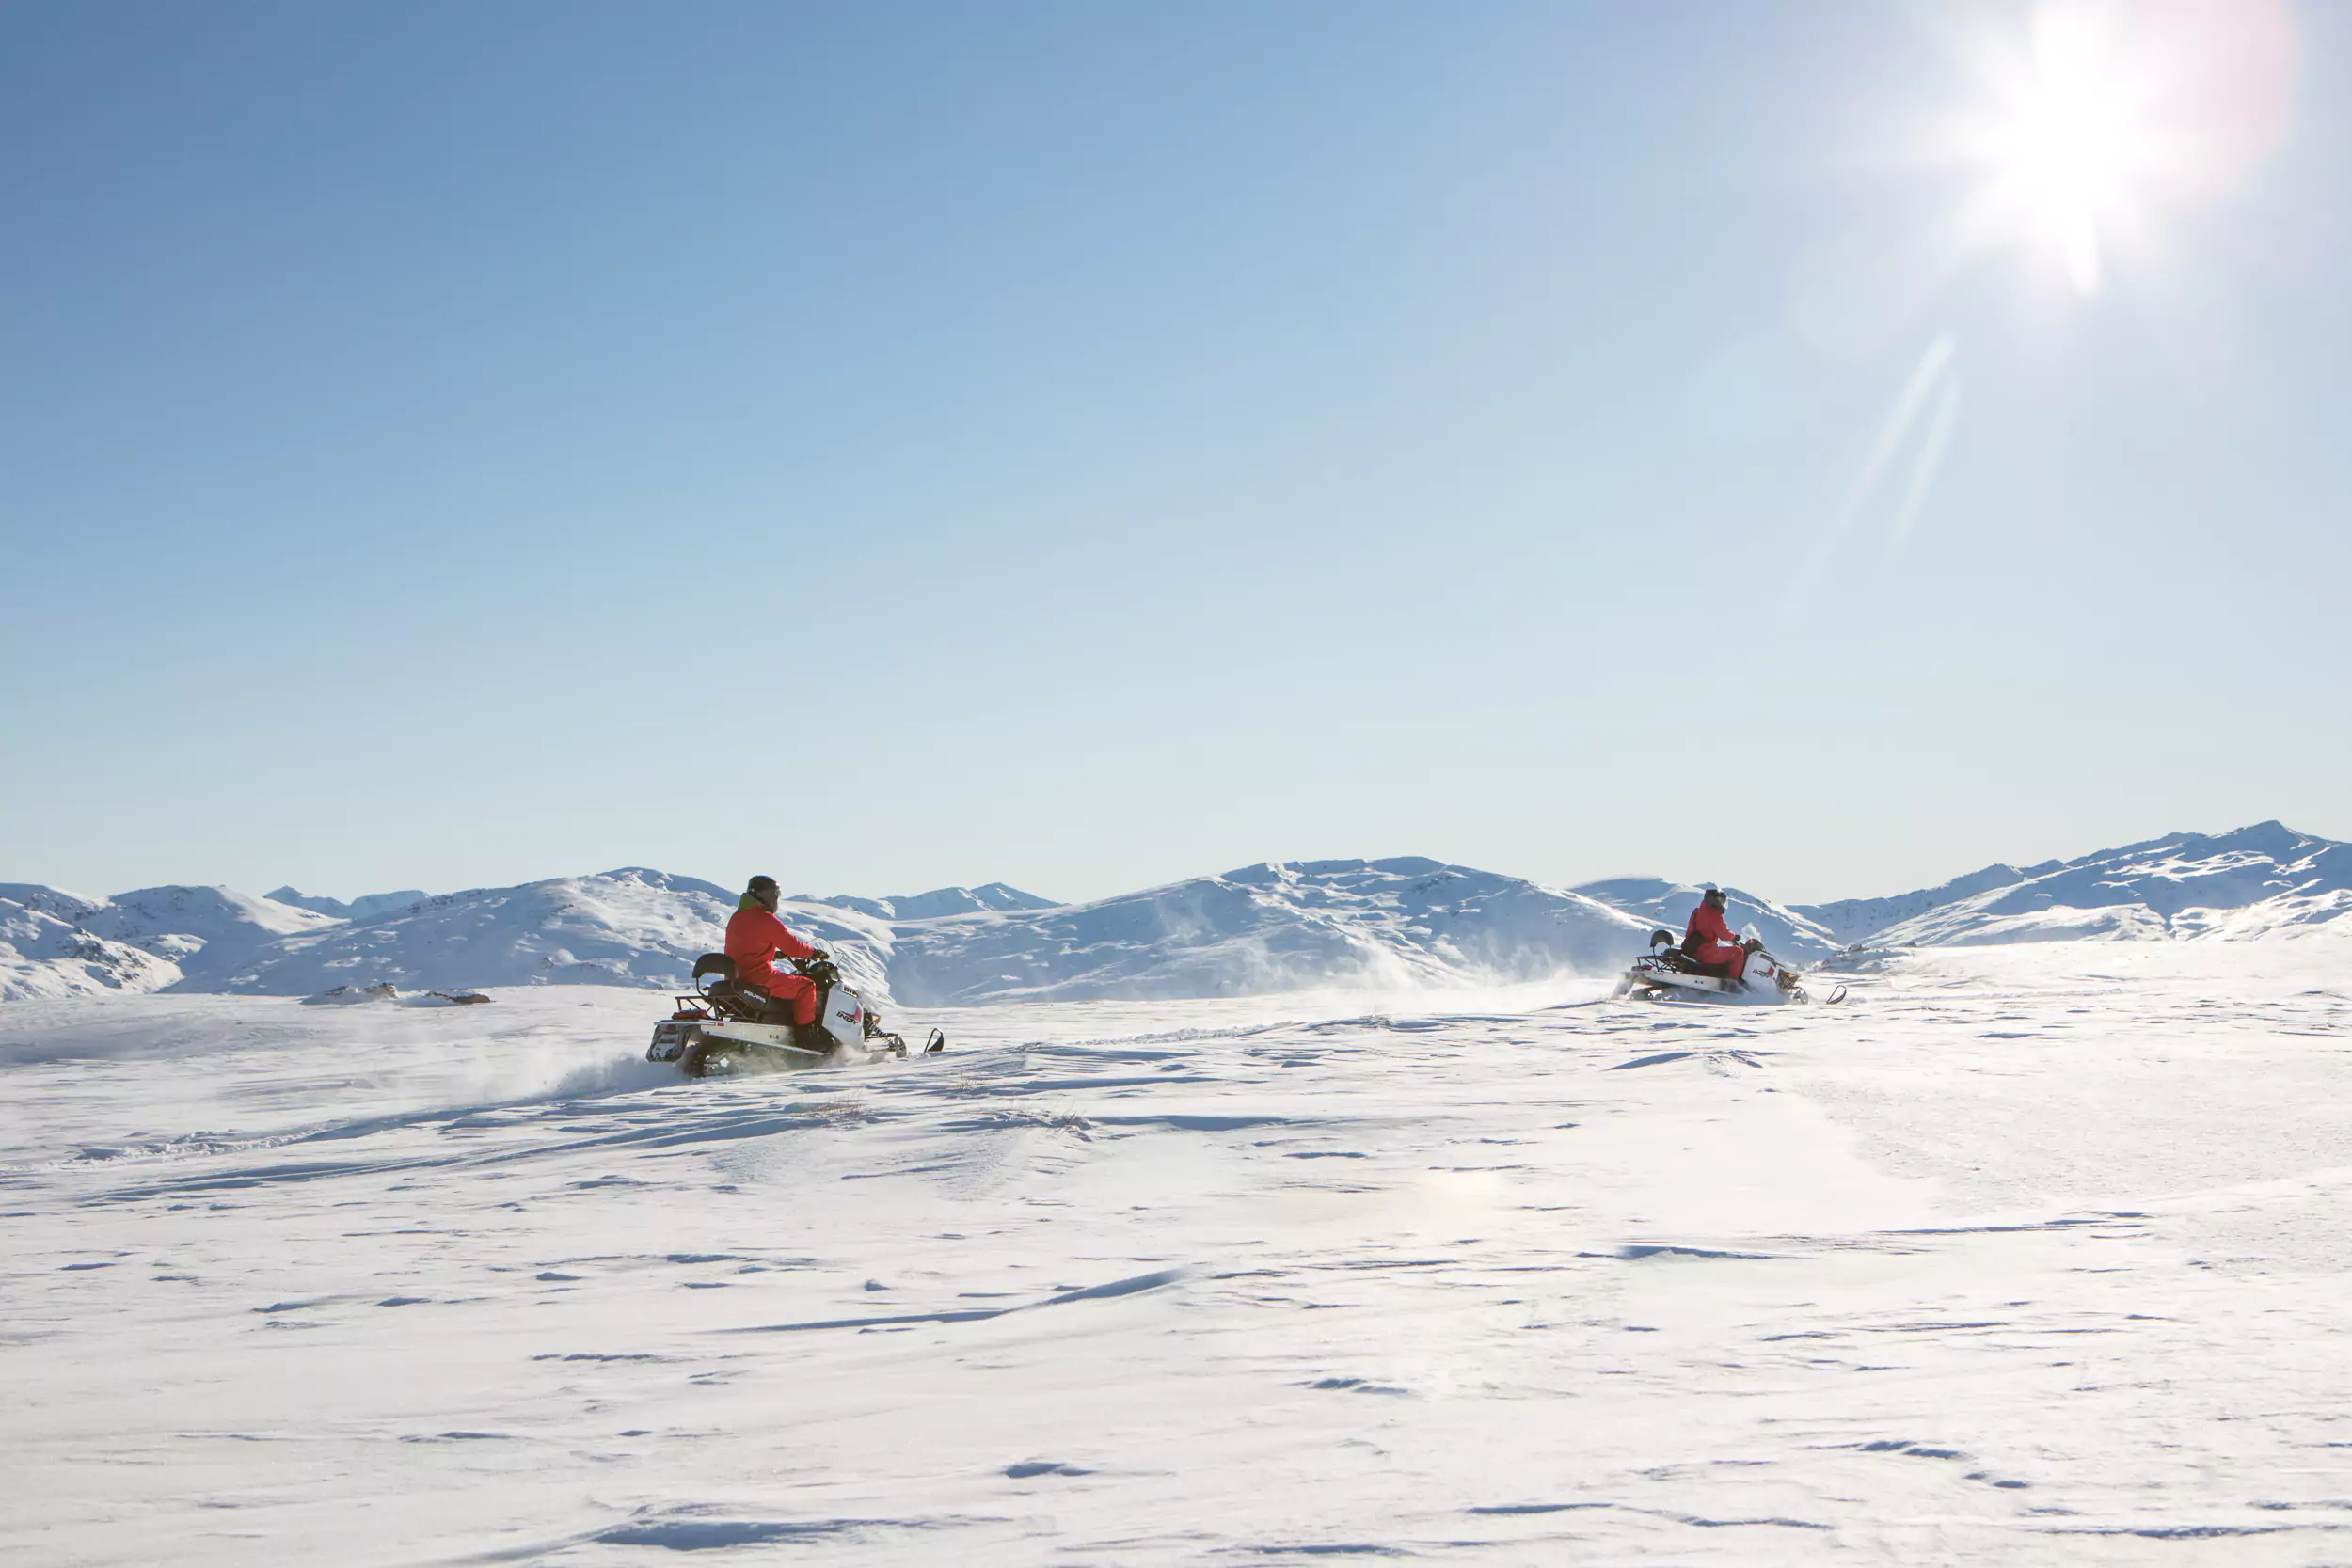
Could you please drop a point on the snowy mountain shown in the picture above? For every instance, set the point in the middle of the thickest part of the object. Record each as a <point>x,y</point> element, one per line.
<point>936,903</point>
<point>1258,929</point>
<point>1266,927</point>
<point>64,943</point>
<point>208,931</point>
<point>2256,881</point>
<point>1668,905</point>
<point>72,908</point>
<point>366,907</point>
<point>1850,920</point>
<point>42,954</point>
<point>633,926</point>
<point>1263,928</point>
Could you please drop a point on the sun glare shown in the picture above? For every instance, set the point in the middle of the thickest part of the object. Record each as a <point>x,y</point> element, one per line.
<point>2071,147</point>
<point>2104,116</point>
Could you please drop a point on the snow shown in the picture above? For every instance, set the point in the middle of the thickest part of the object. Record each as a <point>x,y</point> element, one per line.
<point>939,901</point>
<point>2256,881</point>
<point>41,955</point>
<point>2026,1254</point>
<point>143,939</point>
<point>207,930</point>
<point>1261,929</point>
<point>72,907</point>
<point>1265,928</point>
<point>1848,921</point>
<point>633,926</point>
<point>368,906</point>
<point>1668,905</point>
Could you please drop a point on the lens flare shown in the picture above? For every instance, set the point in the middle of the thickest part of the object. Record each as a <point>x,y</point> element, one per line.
<point>2073,145</point>
<point>2106,120</point>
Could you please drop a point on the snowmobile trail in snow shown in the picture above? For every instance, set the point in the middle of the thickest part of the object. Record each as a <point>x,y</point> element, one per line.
<point>2035,1259</point>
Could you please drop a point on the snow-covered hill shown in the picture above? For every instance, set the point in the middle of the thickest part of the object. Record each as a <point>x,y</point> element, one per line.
<point>45,955</point>
<point>936,903</point>
<point>63,943</point>
<point>1267,927</point>
<point>73,908</point>
<point>1668,905</point>
<point>1851,920</point>
<point>633,926</point>
<point>1263,928</point>
<point>1259,929</point>
<point>2257,881</point>
<point>366,907</point>
<point>208,931</point>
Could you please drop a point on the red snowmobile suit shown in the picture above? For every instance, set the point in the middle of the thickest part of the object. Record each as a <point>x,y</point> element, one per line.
<point>1708,939</point>
<point>754,938</point>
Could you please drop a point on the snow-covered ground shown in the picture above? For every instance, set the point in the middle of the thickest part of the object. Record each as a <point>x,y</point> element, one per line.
<point>2026,1255</point>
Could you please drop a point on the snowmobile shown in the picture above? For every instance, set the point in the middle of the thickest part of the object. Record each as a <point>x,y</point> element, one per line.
<point>718,1029</point>
<point>1666,971</point>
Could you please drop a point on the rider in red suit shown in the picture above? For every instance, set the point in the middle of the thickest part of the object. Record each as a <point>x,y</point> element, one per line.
<point>1707,938</point>
<point>755,937</point>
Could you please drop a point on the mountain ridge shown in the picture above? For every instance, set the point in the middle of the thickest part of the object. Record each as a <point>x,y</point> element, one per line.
<point>1269,926</point>
<point>2263,880</point>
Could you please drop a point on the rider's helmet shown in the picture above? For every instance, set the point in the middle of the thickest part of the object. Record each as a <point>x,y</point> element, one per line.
<point>765,890</point>
<point>1715,895</point>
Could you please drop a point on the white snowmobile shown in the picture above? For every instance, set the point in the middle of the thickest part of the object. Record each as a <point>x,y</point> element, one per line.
<point>1666,972</point>
<point>718,1029</point>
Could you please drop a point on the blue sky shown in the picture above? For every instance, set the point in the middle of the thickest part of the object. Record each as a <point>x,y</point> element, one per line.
<point>1087,445</point>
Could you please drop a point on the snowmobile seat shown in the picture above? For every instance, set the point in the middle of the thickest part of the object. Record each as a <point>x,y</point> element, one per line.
<point>714,977</point>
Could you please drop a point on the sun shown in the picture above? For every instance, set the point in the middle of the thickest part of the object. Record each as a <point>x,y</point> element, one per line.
<point>2105,120</point>
<point>2073,149</point>
<point>2073,146</point>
